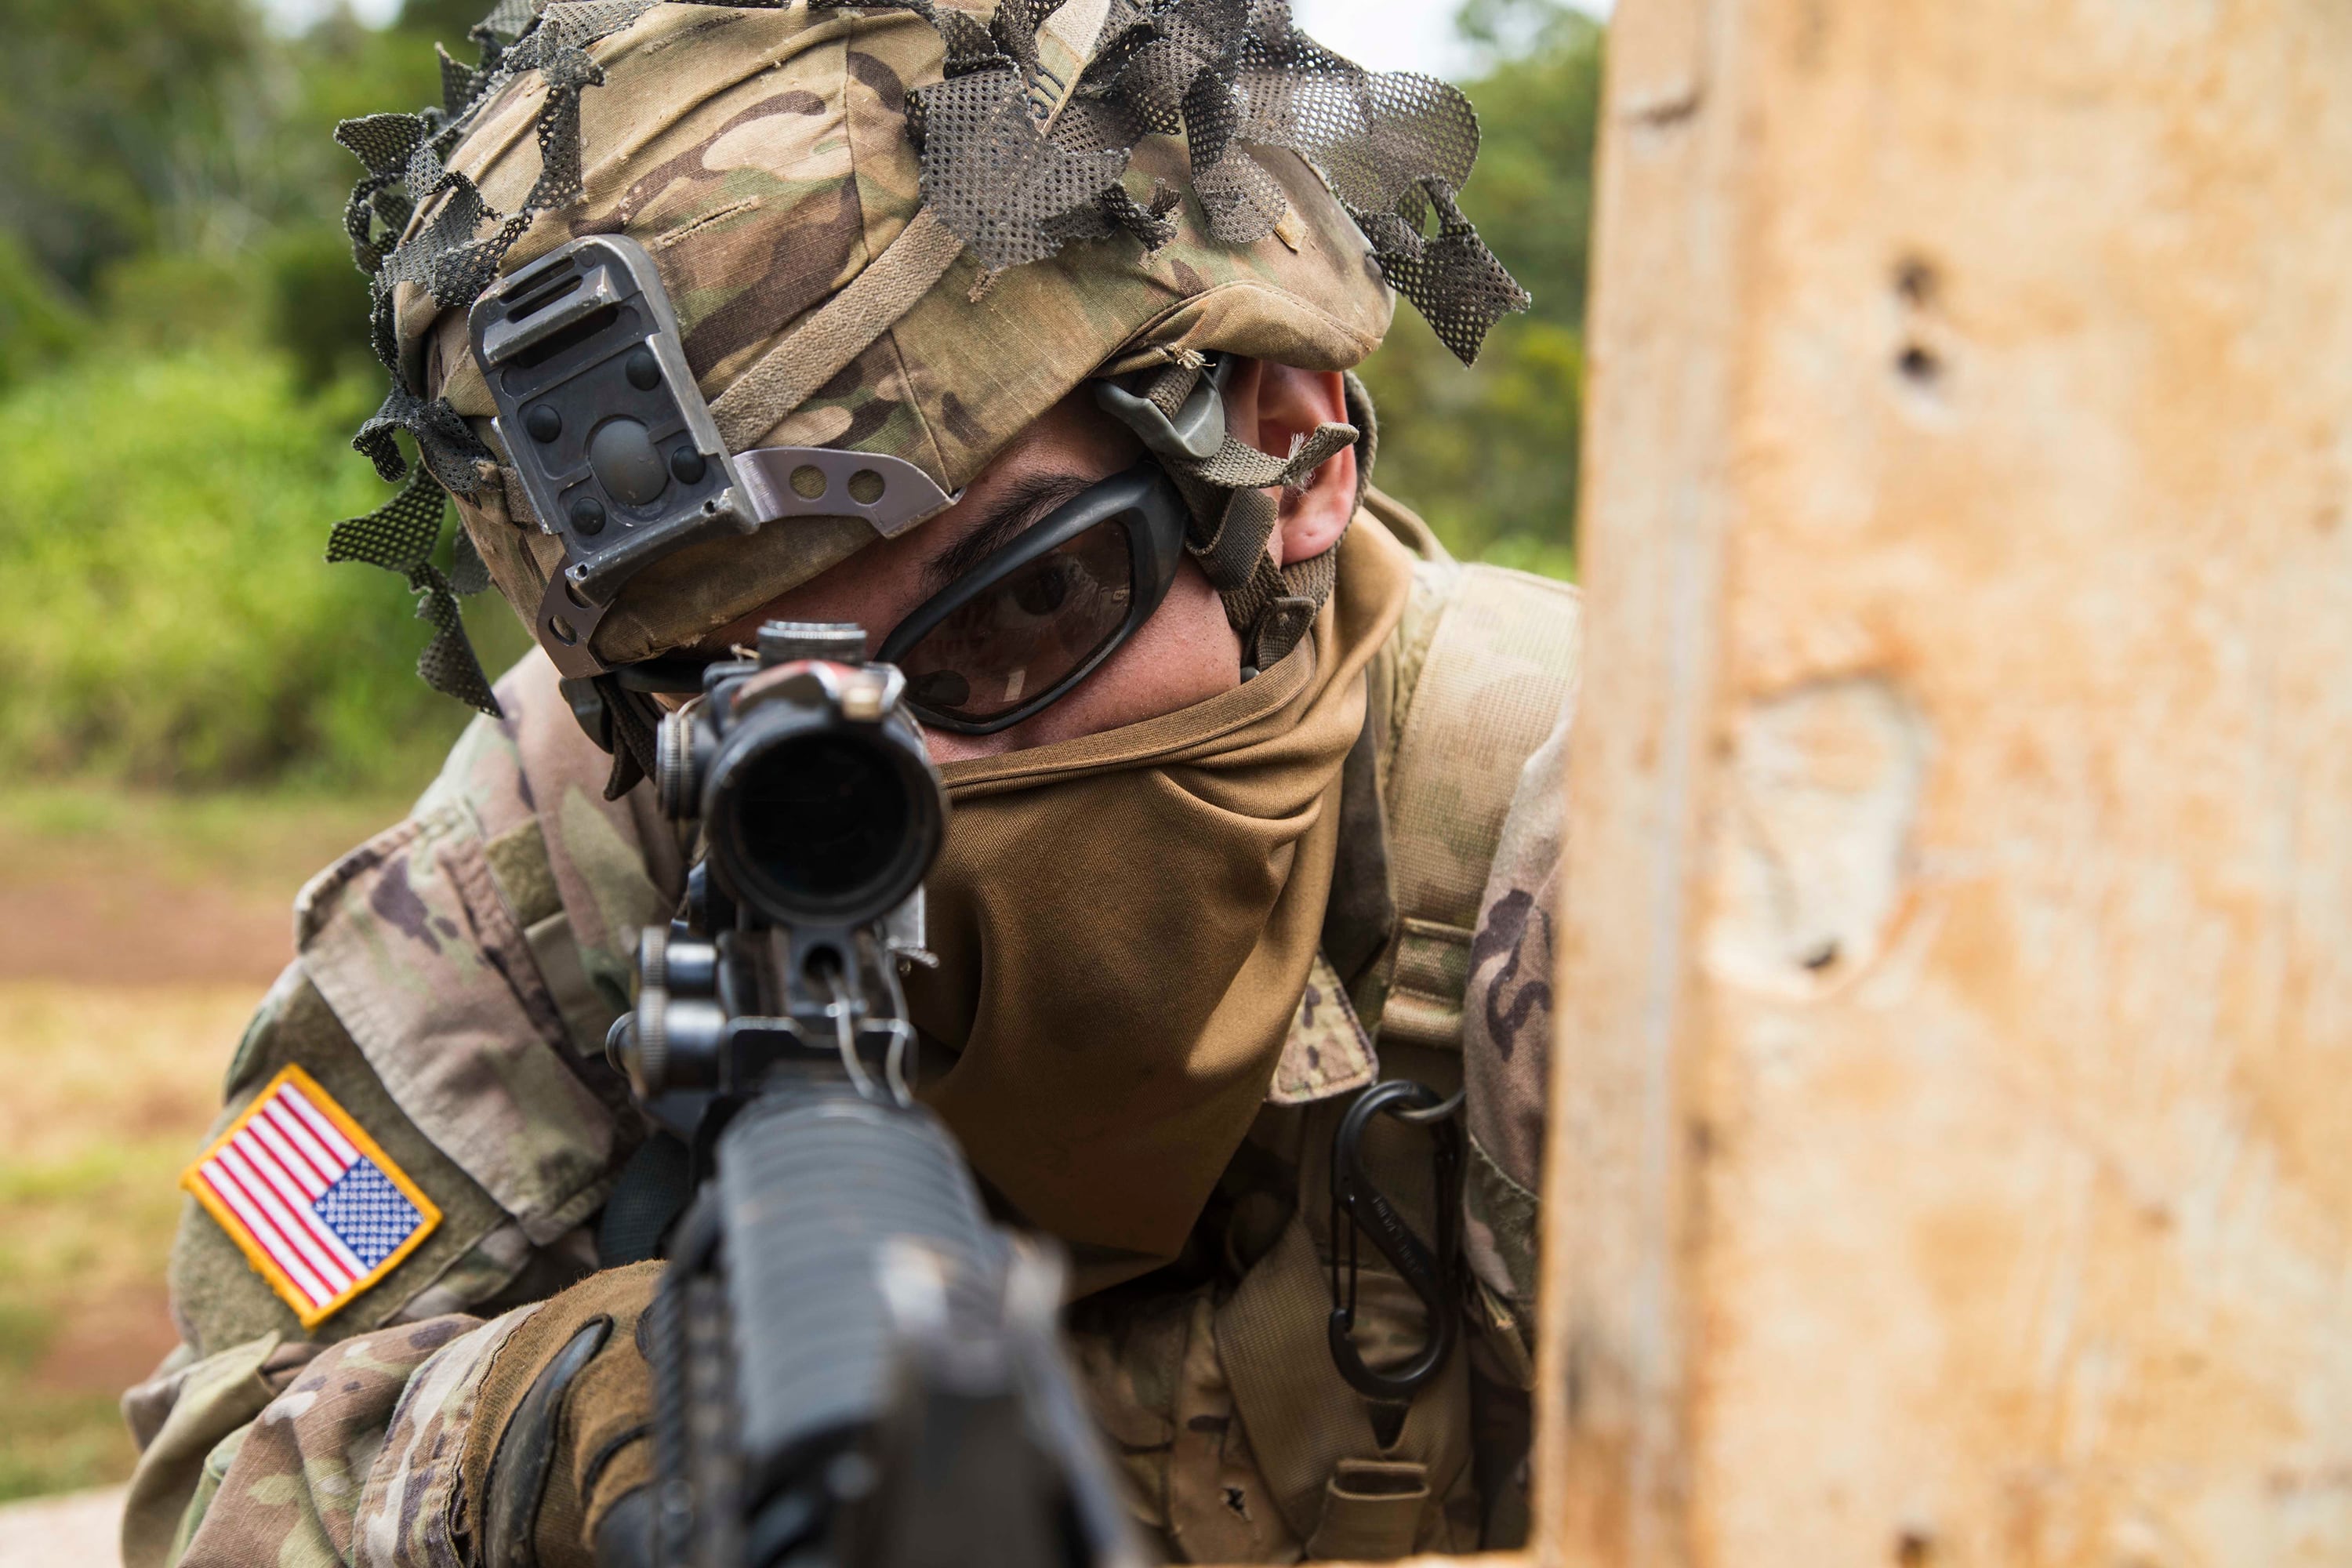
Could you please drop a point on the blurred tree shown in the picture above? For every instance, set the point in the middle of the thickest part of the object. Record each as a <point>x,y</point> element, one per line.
<point>317,304</point>
<point>446,22</point>
<point>1539,104</point>
<point>179,140</point>
<point>1489,454</point>
<point>111,112</point>
<point>162,299</point>
<point>38,323</point>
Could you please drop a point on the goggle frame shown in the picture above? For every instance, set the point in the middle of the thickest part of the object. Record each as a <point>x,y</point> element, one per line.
<point>1143,500</point>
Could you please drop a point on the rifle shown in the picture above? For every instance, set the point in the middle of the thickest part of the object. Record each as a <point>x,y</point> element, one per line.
<point>853,1366</point>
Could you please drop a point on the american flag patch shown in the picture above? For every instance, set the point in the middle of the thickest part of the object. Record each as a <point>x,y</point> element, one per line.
<point>318,1209</point>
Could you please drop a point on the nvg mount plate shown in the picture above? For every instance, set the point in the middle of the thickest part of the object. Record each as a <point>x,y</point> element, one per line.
<point>617,452</point>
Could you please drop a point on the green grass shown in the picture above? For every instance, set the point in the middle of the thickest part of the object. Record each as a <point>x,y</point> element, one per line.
<point>61,1445</point>
<point>264,843</point>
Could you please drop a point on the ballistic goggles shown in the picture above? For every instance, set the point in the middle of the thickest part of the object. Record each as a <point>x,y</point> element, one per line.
<point>620,457</point>
<point>1010,637</point>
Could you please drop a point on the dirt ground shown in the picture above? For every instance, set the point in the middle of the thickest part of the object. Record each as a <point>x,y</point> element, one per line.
<point>107,888</point>
<point>77,1530</point>
<point>139,932</point>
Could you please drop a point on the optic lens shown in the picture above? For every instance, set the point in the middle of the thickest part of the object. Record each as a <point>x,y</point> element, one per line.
<point>1025,634</point>
<point>823,817</point>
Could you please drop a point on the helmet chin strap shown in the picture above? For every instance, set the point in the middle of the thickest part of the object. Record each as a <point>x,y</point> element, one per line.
<point>1178,412</point>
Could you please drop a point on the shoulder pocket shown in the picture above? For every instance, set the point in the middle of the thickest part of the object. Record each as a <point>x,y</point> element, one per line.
<point>412,944</point>
<point>222,1294</point>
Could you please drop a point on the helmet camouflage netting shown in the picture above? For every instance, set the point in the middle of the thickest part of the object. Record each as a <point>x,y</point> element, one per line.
<point>1055,145</point>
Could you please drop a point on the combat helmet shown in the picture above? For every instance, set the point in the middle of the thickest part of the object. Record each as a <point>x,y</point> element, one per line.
<point>904,229</point>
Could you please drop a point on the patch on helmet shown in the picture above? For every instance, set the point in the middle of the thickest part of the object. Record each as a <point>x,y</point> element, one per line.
<point>315,1204</point>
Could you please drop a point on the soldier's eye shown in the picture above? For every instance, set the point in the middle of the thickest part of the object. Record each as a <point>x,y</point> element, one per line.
<point>1042,590</point>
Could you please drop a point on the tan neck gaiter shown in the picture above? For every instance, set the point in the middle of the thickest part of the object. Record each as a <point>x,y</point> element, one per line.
<point>1124,924</point>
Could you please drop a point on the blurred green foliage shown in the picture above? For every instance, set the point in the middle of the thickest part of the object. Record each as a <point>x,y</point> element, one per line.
<point>121,121</point>
<point>182,360</point>
<point>174,623</point>
<point>184,356</point>
<point>39,322</point>
<point>1488,454</point>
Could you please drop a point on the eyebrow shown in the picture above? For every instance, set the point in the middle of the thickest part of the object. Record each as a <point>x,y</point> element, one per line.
<point>1023,506</point>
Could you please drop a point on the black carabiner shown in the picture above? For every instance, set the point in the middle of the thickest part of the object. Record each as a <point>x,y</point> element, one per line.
<point>1428,1273</point>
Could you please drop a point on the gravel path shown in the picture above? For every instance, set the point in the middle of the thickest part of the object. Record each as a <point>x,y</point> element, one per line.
<point>76,1531</point>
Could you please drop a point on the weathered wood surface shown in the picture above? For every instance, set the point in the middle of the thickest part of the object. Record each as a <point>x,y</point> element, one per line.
<point>1953,1150</point>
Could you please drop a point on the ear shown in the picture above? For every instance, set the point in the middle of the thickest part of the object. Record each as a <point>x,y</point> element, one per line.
<point>1274,407</point>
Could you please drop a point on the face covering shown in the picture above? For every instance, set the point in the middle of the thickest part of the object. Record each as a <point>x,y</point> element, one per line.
<point>1124,924</point>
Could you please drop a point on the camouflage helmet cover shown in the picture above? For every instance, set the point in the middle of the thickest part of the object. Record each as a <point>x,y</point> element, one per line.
<point>766,157</point>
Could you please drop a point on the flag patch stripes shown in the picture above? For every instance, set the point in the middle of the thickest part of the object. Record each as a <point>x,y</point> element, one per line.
<point>318,1209</point>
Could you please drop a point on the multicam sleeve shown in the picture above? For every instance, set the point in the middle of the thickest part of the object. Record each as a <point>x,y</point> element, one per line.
<point>183,1418</point>
<point>1507,1031</point>
<point>355,1462</point>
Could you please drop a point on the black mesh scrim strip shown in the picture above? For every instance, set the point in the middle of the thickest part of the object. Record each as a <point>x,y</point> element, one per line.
<point>400,534</point>
<point>384,336</point>
<point>1373,136</point>
<point>1153,85</point>
<point>1227,75</point>
<point>507,19</point>
<point>1241,199</point>
<point>372,200</point>
<point>459,276</point>
<point>970,42</point>
<point>559,130</point>
<point>450,449</point>
<point>468,573</point>
<point>448,663</point>
<point>1151,225</point>
<point>1013,30</point>
<point>381,143</point>
<point>1009,193</point>
<point>1454,281</point>
<point>457,211</point>
<point>458,83</point>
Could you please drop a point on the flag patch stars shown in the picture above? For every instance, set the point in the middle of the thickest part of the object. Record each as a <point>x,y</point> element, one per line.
<point>318,1209</point>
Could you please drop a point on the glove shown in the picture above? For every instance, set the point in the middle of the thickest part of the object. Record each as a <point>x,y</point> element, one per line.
<point>557,1459</point>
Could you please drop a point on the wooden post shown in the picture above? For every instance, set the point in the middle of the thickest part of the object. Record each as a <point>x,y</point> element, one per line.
<point>1952,1155</point>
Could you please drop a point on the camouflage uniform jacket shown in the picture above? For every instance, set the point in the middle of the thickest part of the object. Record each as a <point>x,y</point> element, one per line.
<point>454,982</point>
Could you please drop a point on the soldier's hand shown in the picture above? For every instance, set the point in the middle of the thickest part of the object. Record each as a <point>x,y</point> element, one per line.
<point>559,1454</point>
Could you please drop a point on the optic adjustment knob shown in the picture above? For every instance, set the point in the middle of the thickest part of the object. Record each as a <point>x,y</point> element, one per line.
<point>843,642</point>
<point>674,769</point>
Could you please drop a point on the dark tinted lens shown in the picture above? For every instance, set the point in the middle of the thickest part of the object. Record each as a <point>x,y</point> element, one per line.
<point>1026,632</point>
<point>821,819</point>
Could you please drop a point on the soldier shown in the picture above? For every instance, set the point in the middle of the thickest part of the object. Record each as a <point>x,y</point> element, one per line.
<point>1214,864</point>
